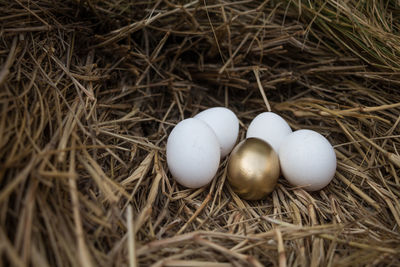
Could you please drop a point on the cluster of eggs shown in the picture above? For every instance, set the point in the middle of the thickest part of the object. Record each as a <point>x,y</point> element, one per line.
<point>196,145</point>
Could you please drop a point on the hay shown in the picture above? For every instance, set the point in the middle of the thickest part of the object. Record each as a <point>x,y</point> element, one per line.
<point>91,89</point>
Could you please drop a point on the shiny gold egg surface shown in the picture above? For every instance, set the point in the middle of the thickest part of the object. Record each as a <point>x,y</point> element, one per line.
<point>253,169</point>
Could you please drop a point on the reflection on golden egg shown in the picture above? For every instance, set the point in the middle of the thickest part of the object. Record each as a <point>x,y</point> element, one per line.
<point>253,169</point>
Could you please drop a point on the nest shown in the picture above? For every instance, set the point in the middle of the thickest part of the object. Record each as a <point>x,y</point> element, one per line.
<point>91,89</point>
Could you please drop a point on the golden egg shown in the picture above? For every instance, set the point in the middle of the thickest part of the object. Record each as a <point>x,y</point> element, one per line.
<point>253,169</point>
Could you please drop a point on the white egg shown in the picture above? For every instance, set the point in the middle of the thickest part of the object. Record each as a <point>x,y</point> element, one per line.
<point>307,160</point>
<point>224,123</point>
<point>269,127</point>
<point>193,153</point>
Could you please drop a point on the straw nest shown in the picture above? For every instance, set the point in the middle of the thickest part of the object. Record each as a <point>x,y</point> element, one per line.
<point>91,89</point>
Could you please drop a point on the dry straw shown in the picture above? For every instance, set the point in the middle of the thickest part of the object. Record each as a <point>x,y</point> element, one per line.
<point>89,91</point>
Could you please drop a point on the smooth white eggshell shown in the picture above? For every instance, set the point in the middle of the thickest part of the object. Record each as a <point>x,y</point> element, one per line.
<point>193,153</point>
<point>224,123</point>
<point>307,160</point>
<point>269,127</point>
